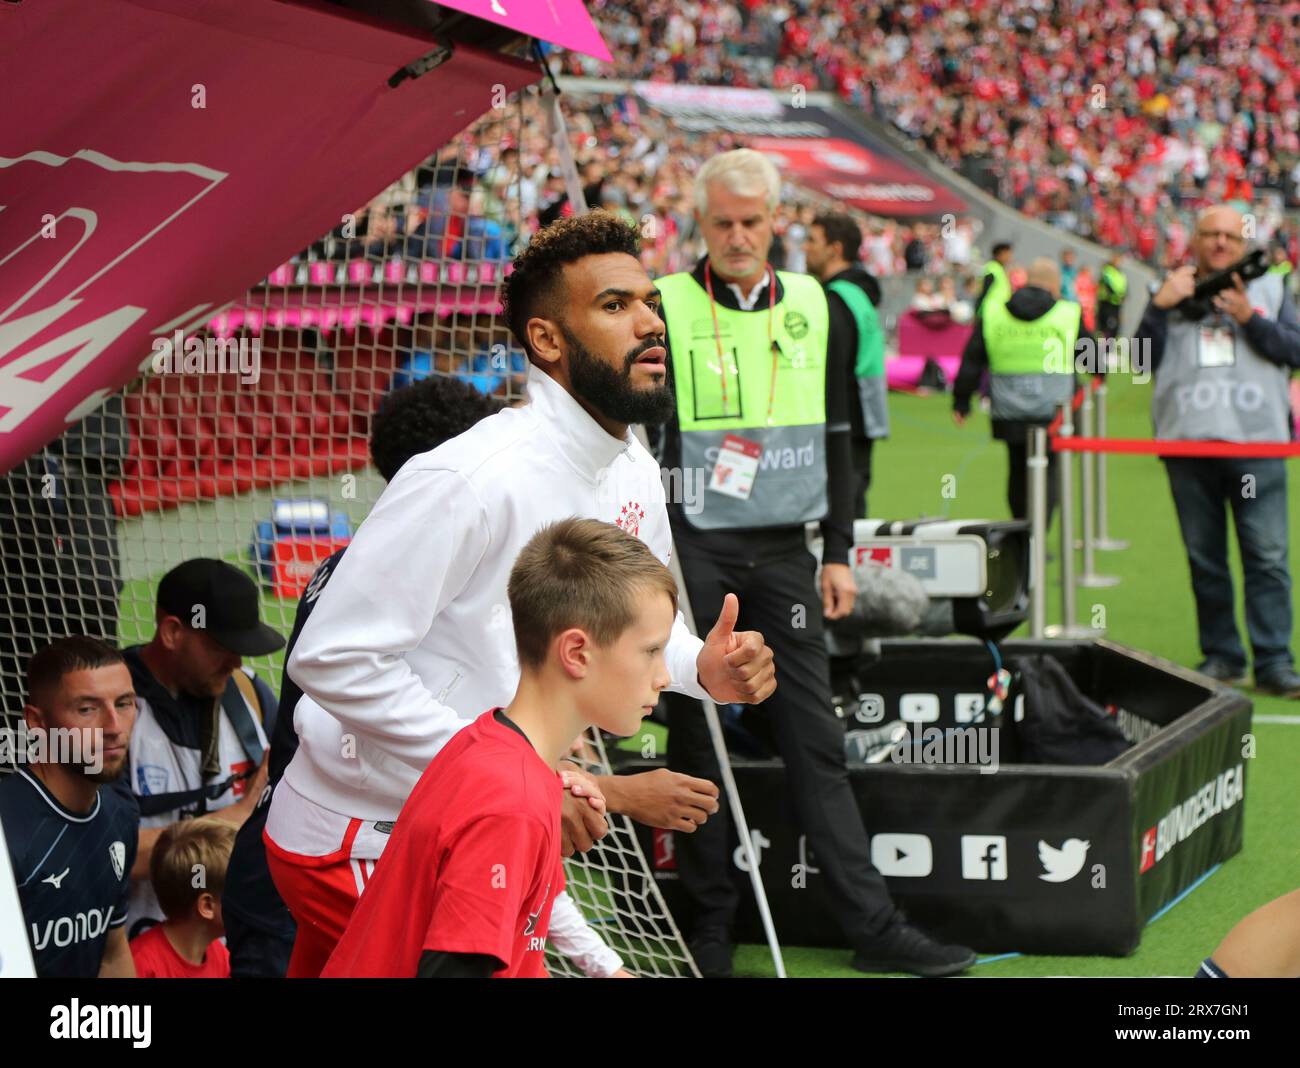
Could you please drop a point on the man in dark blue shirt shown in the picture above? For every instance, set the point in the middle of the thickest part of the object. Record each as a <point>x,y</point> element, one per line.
<point>259,929</point>
<point>71,843</point>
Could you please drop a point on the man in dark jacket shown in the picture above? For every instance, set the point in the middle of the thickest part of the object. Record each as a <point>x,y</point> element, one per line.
<point>852,296</point>
<point>757,369</point>
<point>1029,346</point>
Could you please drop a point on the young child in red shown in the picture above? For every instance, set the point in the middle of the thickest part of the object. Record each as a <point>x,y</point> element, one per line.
<point>465,885</point>
<point>188,871</point>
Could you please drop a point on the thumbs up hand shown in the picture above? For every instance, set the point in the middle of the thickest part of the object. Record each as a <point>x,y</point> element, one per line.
<point>736,667</point>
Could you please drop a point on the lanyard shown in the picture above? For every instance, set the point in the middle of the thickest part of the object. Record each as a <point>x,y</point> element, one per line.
<point>717,337</point>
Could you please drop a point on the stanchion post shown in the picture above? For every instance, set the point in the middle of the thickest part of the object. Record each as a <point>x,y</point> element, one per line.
<point>1104,541</point>
<point>1038,532</point>
<point>1068,627</point>
<point>1088,470</point>
<point>1065,485</point>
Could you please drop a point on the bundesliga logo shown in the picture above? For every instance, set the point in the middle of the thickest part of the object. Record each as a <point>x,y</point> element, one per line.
<point>1179,823</point>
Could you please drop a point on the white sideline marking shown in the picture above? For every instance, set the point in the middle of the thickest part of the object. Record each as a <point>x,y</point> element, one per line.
<point>1277,719</point>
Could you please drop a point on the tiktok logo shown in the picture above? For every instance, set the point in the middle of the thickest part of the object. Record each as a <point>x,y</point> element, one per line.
<point>759,842</point>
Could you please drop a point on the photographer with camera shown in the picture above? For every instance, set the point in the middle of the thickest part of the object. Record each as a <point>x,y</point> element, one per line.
<point>1224,339</point>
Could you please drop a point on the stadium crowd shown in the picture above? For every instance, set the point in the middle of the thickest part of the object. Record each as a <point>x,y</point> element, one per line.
<point>1116,121</point>
<point>488,189</point>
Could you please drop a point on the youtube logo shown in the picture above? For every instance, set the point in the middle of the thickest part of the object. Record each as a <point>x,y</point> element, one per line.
<point>1148,850</point>
<point>908,856</point>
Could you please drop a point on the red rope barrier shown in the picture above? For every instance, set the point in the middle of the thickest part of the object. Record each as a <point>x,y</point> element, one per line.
<point>1246,449</point>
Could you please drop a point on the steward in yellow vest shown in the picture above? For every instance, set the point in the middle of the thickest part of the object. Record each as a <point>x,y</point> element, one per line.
<point>761,375</point>
<point>1028,347</point>
<point>768,397</point>
<point>1112,287</point>
<point>997,284</point>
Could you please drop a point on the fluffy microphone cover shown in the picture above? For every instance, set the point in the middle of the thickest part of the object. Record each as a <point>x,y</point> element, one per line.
<point>890,603</point>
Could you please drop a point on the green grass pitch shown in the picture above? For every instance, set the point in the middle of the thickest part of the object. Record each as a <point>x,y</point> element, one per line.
<point>1150,609</point>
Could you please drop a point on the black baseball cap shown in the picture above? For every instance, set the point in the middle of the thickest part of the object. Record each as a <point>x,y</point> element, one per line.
<point>230,605</point>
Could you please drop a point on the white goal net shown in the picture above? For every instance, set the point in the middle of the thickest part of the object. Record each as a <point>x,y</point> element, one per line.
<point>255,448</point>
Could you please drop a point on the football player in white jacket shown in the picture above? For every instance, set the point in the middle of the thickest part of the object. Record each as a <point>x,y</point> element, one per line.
<point>412,638</point>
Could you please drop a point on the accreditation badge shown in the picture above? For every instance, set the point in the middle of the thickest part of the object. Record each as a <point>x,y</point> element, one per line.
<point>1214,347</point>
<point>736,467</point>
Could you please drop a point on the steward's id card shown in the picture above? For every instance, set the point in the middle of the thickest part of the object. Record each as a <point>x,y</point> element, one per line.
<point>1214,347</point>
<point>736,467</point>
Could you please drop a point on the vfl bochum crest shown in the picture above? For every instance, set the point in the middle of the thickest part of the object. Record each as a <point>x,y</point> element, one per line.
<point>117,854</point>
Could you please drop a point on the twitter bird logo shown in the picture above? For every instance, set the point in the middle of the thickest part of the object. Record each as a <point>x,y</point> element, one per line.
<point>1062,865</point>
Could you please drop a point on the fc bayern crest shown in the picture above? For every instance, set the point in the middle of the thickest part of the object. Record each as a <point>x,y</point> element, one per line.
<point>630,518</point>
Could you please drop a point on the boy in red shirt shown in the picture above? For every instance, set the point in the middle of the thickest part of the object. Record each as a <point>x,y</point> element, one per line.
<point>465,886</point>
<point>188,871</point>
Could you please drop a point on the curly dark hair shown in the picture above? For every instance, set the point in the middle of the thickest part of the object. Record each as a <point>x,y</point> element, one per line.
<point>534,285</point>
<point>421,416</point>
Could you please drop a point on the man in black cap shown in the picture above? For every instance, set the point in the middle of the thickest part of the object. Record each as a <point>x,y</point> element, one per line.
<point>200,742</point>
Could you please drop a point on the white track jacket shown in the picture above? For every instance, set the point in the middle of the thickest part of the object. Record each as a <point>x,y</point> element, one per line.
<point>412,638</point>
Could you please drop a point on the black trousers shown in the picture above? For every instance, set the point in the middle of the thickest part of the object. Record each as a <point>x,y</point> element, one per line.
<point>799,722</point>
<point>1107,319</point>
<point>861,451</point>
<point>1018,480</point>
<point>254,953</point>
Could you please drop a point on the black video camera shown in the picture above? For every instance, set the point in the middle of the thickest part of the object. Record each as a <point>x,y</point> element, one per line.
<point>1251,266</point>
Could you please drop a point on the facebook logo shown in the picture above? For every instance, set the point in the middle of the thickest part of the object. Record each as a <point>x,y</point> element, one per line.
<point>983,856</point>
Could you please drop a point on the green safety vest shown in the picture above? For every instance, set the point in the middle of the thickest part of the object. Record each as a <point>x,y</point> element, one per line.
<point>715,401</point>
<point>869,367</point>
<point>871,340</point>
<point>1000,291</point>
<point>1114,282</point>
<point>1031,362</point>
<point>1283,268</point>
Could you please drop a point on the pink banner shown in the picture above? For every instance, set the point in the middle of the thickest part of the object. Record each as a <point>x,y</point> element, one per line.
<point>167,155</point>
<point>562,22</point>
<point>919,338</point>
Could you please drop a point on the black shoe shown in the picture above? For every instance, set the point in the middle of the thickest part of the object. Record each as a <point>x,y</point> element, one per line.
<point>712,953</point>
<point>1221,672</point>
<point>1282,682</point>
<point>900,947</point>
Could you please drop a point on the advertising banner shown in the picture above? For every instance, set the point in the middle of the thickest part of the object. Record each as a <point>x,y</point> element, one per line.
<point>810,144</point>
<point>165,156</point>
<point>993,853</point>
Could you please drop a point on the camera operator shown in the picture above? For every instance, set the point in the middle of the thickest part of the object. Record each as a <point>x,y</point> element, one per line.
<point>1221,373</point>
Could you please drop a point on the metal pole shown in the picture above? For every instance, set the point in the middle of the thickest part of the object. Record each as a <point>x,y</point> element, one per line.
<point>1104,541</point>
<point>1038,531</point>
<point>724,763</point>
<point>1067,628</point>
<point>1065,488</point>
<point>1087,460</point>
